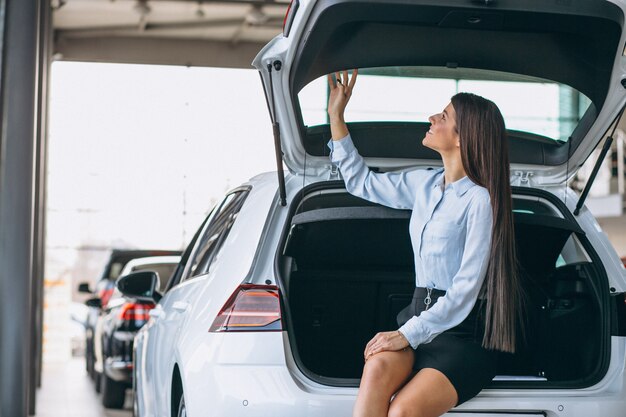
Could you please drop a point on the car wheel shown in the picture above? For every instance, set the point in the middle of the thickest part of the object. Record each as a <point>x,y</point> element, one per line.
<point>182,411</point>
<point>113,393</point>
<point>89,359</point>
<point>90,369</point>
<point>98,381</point>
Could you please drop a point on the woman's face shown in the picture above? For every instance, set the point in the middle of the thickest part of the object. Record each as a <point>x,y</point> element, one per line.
<point>442,135</point>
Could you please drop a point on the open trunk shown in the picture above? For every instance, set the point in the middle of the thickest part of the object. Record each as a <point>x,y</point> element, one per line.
<point>573,45</point>
<point>347,268</point>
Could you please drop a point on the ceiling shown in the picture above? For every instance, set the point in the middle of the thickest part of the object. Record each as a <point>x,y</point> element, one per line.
<point>224,33</point>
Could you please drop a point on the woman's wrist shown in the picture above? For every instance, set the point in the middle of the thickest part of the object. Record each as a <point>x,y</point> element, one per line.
<point>403,337</point>
<point>336,118</point>
<point>338,129</point>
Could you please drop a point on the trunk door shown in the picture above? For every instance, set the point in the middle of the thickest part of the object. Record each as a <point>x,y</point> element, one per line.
<point>579,44</point>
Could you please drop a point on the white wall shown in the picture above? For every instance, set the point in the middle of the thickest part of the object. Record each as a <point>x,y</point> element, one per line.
<point>138,155</point>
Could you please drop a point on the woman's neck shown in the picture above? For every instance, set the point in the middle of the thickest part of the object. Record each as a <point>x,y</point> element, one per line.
<point>453,168</point>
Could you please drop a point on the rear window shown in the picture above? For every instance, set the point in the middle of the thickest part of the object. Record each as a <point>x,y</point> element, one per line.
<point>528,104</point>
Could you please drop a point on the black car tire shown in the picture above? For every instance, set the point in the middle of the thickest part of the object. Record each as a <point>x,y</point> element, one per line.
<point>182,410</point>
<point>98,381</point>
<point>89,359</point>
<point>113,393</point>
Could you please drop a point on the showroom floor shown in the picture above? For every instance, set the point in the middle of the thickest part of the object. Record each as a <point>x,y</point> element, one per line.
<point>67,391</point>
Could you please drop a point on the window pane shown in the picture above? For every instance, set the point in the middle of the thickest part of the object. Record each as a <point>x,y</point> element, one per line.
<point>215,234</point>
<point>206,242</point>
<point>528,104</point>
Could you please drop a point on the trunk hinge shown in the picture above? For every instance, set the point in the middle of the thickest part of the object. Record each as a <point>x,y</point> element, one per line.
<point>605,149</point>
<point>333,173</point>
<point>523,178</point>
<point>276,131</point>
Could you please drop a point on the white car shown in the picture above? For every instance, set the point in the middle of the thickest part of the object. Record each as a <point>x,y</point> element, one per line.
<point>290,276</point>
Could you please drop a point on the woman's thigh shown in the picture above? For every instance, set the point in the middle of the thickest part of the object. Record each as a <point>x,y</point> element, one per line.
<point>428,394</point>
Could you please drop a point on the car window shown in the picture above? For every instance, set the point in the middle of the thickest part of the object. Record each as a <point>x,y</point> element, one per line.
<point>180,268</point>
<point>214,235</point>
<point>164,270</point>
<point>573,252</point>
<point>116,268</point>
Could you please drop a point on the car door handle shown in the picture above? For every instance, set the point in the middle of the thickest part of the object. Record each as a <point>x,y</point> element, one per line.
<point>180,306</point>
<point>156,313</point>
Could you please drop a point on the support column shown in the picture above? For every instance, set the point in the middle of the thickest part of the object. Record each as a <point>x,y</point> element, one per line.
<point>39,227</point>
<point>18,116</point>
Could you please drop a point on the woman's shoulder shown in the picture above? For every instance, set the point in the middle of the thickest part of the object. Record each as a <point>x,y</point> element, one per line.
<point>425,173</point>
<point>480,195</point>
<point>479,204</point>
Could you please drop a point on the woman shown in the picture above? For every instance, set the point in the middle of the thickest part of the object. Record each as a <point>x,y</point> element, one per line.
<point>466,304</point>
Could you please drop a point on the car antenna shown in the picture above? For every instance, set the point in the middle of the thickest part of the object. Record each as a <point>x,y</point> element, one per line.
<point>596,167</point>
<point>276,130</point>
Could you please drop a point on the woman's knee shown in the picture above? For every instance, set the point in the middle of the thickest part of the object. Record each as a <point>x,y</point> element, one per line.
<point>400,409</point>
<point>386,366</point>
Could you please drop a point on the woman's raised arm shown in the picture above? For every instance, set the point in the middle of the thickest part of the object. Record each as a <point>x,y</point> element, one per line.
<point>340,93</point>
<point>393,189</point>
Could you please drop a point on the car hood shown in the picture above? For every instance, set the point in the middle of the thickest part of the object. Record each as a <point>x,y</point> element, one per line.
<point>576,42</point>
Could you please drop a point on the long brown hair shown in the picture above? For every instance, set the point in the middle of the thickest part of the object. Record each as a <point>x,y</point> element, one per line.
<point>485,158</point>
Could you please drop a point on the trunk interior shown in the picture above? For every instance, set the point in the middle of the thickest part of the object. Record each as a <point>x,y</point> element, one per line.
<point>347,266</point>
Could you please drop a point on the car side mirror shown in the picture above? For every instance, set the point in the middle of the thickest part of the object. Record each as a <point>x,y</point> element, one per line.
<point>94,302</point>
<point>84,287</point>
<point>141,285</point>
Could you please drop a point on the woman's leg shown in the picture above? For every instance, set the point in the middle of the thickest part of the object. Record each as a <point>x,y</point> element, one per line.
<point>383,374</point>
<point>428,394</point>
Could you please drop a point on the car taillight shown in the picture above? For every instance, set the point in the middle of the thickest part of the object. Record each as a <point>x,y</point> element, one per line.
<point>289,16</point>
<point>137,313</point>
<point>105,296</point>
<point>250,308</point>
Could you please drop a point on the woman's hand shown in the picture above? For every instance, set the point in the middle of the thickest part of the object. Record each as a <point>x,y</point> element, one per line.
<point>385,341</point>
<point>340,93</point>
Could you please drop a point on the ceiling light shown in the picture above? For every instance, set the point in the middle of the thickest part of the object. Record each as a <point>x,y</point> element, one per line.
<point>142,7</point>
<point>256,16</point>
<point>199,11</point>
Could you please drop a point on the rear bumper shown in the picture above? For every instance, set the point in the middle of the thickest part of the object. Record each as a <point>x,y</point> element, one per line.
<point>118,357</point>
<point>245,391</point>
<point>228,382</point>
<point>118,369</point>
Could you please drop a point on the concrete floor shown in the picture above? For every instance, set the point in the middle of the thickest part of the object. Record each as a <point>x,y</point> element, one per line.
<point>67,391</point>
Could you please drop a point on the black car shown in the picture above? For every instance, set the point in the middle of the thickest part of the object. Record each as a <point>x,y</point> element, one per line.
<point>121,320</point>
<point>102,293</point>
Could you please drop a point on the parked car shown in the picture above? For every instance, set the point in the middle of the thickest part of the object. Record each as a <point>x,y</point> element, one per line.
<point>102,293</point>
<point>78,318</point>
<point>117,327</point>
<point>273,302</point>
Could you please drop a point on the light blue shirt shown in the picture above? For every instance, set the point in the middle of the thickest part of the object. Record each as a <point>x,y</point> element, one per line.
<point>450,232</point>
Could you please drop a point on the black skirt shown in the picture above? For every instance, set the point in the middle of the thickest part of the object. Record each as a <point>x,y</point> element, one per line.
<point>458,352</point>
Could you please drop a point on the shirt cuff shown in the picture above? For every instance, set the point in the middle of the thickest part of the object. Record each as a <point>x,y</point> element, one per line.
<point>413,332</point>
<point>339,149</point>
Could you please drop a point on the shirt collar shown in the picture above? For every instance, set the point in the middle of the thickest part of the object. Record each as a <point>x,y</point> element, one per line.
<point>460,187</point>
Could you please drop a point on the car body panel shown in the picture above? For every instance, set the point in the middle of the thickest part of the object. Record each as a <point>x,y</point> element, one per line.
<point>160,341</point>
